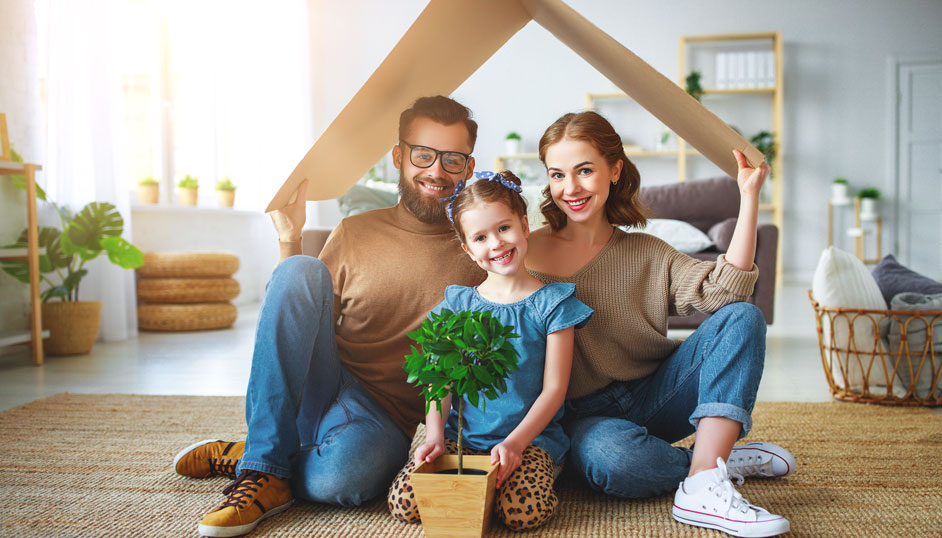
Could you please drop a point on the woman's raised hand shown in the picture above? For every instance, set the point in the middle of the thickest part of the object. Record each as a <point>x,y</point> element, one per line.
<point>750,179</point>
<point>289,220</point>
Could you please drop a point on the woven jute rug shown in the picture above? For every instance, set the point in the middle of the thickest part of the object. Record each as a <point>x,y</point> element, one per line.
<point>99,465</point>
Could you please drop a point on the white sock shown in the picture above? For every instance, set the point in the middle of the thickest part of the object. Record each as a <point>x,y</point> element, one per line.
<point>698,481</point>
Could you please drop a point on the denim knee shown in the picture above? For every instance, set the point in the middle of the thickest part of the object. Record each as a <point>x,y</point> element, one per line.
<point>746,317</point>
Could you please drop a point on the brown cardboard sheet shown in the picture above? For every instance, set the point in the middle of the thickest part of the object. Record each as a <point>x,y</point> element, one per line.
<point>457,37</point>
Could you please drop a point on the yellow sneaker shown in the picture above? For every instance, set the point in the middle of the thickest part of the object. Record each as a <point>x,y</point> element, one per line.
<point>208,458</point>
<point>252,497</point>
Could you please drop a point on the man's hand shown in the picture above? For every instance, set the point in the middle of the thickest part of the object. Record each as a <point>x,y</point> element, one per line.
<point>510,456</point>
<point>289,220</point>
<point>428,451</point>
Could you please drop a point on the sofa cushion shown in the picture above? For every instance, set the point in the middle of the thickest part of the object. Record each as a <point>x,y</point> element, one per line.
<point>702,203</point>
<point>894,278</point>
<point>721,233</point>
<point>676,233</point>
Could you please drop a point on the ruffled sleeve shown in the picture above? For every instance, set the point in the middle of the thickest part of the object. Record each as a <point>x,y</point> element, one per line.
<point>559,308</point>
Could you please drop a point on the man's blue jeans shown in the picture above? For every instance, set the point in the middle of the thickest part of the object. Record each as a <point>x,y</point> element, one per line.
<point>309,419</point>
<point>621,434</point>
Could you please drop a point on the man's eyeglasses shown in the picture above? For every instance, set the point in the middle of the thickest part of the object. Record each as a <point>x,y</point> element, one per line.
<point>453,162</point>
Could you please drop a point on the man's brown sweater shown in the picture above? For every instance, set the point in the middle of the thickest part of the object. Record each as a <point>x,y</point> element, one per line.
<point>633,284</point>
<point>388,271</point>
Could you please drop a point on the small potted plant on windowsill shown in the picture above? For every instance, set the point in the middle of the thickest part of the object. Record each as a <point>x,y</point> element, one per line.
<point>187,189</point>
<point>148,190</point>
<point>512,143</point>
<point>225,192</point>
<point>868,203</point>
<point>465,355</point>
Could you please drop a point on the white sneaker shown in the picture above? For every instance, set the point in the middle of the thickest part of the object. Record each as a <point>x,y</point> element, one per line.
<point>759,460</point>
<point>719,506</point>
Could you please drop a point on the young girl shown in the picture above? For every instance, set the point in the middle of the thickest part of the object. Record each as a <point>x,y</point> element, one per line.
<point>521,429</point>
<point>634,391</point>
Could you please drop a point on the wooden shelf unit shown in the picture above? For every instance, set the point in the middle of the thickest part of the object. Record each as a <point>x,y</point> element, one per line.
<point>8,168</point>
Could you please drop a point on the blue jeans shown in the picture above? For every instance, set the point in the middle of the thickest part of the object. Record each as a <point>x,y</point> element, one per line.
<point>621,434</point>
<point>309,419</point>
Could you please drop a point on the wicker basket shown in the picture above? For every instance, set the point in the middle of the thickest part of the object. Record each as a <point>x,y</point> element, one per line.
<point>73,326</point>
<point>187,290</point>
<point>188,265</point>
<point>862,366</point>
<point>185,317</point>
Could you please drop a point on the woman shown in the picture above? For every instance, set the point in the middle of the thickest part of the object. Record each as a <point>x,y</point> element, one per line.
<point>633,391</point>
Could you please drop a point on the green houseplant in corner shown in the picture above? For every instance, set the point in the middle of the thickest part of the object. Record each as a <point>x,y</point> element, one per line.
<point>465,355</point>
<point>97,228</point>
<point>225,192</point>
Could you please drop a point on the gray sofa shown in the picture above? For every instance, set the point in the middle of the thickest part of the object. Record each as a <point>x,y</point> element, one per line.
<point>702,203</point>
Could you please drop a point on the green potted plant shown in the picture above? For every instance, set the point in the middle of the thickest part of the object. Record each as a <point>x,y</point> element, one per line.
<point>464,355</point>
<point>839,191</point>
<point>187,189</point>
<point>148,190</point>
<point>512,142</point>
<point>764,141</point>
<point>225,192</point>
<point>868,203</point>
<point>73,324</point>
<point>693,85</point>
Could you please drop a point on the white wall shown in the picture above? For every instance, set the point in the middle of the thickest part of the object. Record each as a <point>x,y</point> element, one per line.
<point>19,100</point>
<point>836,95</point>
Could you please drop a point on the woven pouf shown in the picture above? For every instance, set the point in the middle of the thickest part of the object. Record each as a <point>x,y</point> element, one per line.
<point>185,317</point>
<point>186,291</point>
<point>188,265</point>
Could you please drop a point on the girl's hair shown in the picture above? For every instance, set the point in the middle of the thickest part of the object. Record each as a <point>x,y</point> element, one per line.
<point>483,190</point>
<point>623,208</point>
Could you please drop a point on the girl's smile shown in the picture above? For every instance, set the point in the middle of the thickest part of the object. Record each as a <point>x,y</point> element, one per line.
<point>495,237</point>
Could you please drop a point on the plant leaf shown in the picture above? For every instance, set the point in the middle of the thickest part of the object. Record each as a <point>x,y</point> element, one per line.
<point>122,253</point>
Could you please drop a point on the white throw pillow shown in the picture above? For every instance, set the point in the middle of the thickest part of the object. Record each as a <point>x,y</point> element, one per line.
<point>681,235</point>
<point>841,280</point>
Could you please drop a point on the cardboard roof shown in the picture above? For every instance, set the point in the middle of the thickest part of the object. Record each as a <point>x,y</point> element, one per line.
<point>371,117</point>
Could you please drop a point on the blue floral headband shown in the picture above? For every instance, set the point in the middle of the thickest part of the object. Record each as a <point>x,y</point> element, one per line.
<point>486,176</point>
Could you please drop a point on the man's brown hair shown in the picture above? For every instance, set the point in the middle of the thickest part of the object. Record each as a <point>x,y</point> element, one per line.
<point>440,109</point>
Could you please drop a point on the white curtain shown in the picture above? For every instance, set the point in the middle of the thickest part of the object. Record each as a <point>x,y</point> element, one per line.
<point>84,139</point>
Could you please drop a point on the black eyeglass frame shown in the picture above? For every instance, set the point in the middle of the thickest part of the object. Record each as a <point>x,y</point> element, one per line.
<point>438,154</point>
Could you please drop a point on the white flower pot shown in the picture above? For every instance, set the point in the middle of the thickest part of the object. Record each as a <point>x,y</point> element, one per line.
<point>512,146</point>
<point>868,209</point>
<point>839,194</point>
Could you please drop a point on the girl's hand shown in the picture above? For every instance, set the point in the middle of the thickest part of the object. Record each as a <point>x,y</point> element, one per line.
<point>429,451</point>
<point>509,456</point>
<point>750,179</point>
<point>289,220</point>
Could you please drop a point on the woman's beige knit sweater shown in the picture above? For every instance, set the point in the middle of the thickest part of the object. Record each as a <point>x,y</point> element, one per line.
<point>634,284</point>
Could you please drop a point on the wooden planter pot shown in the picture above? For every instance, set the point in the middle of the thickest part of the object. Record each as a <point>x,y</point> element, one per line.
<point>73,326</point>
<point>451,505</point>
<point>148,194</point>
<point>187,196</point>
<point>226,198</point>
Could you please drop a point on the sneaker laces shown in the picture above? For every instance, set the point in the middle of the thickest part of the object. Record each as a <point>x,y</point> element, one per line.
<point>222,467</point>
<point>723,488</point>
<point>244,488</point>
<point>750,466</point>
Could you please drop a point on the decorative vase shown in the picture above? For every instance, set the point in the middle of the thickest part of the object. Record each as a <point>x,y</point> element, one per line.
<point>187,196</point>
<point>148,194</point>
<point>453,505</point>
<point>868,209</point>
<point>73,326</point>
<point>839,194</point>
<point>512,146</point>
<point>226,198</point>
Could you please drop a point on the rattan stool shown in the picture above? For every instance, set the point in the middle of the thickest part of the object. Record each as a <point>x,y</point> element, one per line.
<point>186,291</point>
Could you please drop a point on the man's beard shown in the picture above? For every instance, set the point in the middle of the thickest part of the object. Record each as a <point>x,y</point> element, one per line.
<point>428,210</point>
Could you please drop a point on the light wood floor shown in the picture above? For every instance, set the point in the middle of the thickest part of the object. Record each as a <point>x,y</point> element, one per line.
<point>217,362</point>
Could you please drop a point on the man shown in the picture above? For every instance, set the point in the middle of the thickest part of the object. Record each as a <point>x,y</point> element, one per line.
<point>329,412</point>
